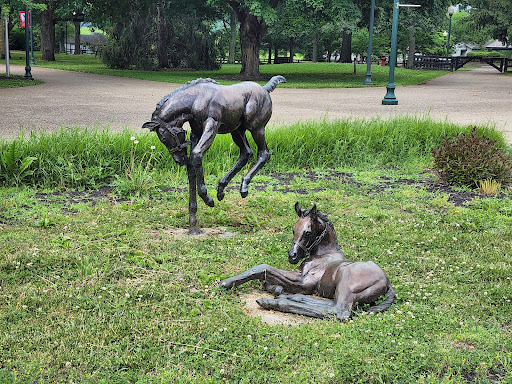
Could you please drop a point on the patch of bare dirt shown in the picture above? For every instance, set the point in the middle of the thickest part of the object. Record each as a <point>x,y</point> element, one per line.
<point>182,233</point>
<point>251,308</point>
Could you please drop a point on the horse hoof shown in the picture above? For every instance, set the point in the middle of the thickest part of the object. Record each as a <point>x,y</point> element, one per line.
<point>345,315</point>
<point>224,285</point>
<point>220,195</point>
<point>209,201</point>
<point>265,303</point>
<point>244,194</point>
<point>194,231</point>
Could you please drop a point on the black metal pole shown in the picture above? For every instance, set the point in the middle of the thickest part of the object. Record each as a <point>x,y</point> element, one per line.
<point>448,49</point>
<point>32,62</point>
<point>368,76</point>
<point>28,74</point>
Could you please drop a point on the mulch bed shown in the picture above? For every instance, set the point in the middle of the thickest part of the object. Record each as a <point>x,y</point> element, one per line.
<point>282,184</point>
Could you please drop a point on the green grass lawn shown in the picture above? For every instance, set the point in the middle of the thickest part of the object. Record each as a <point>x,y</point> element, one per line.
<point>100,290</point>
<point>298,75</point>
<point>17,81</point>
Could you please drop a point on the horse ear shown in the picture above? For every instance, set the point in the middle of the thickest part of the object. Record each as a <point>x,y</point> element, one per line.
<point>298,210</point>
<point>151,125</point>
<point>313,213</point>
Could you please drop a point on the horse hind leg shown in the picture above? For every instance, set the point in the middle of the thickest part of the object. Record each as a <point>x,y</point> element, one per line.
<point>245,154</point>
<point>263,156</point>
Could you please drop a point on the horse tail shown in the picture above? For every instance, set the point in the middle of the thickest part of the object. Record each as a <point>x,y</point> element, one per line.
<point>273,82</point>
<point>386,303</point>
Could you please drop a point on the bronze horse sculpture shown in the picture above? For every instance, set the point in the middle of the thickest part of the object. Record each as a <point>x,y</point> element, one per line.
<point>210,109</point>
<point>324,272</point>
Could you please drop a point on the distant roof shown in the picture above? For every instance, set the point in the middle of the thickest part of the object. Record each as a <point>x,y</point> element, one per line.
<point>496,44</point>
<point>94,38</point>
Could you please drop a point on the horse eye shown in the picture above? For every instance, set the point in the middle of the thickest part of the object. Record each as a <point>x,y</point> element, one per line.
<point>307,233</point>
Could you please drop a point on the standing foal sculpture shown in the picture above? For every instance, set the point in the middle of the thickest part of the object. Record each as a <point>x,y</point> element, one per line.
<point>323,272</point>
<point>210,108</point>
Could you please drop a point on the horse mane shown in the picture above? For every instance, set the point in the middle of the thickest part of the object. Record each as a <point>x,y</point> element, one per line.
<point>322,216</point>
<point>182,88</point>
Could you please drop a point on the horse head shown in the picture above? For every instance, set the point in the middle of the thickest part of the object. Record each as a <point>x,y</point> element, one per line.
<point>308,232</point>
<point>174,138</point>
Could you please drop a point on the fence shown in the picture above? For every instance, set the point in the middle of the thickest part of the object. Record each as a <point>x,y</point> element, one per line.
<point>442,63</point>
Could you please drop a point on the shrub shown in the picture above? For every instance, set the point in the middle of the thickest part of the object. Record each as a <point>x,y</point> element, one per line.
<point>467,158</point>
<point>488,54</point>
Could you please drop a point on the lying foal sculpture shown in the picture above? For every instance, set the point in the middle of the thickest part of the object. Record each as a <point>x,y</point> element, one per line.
<point>324,272</point>
<point>210,109</point>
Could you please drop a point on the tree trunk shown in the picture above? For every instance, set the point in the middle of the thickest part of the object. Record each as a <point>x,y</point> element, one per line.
<point>315,50</point>
<point>346,47</point>
<point>412,47</point>
<point>251,33</point>
<point>292,49</point>
<point>48,33</point>
<point>232,42</point>
<point>269,61</point>
<point>163,59</point>
<point>78,51</point>
<point>276,53</point>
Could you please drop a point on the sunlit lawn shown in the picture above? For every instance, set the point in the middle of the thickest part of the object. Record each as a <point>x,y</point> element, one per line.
<point>298,75</point>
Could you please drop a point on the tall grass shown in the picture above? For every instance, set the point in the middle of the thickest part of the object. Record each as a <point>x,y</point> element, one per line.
<point>88,158</point>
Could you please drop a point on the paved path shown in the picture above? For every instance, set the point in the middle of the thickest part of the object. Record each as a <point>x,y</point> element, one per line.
<point>480,96</point>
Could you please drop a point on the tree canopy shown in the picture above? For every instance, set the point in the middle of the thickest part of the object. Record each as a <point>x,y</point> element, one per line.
<point>495,15</point>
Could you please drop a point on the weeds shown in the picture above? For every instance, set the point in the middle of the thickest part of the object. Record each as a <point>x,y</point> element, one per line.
<point>14,166</point>
<point>137,180</point>
<point>489,187</point>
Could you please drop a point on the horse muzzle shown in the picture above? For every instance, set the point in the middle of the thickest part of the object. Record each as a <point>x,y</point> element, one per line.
<point>293,256</point>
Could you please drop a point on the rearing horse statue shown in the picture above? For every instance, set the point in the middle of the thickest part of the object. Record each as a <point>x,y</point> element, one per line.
<point>324,272</point>
<point>210,108</point>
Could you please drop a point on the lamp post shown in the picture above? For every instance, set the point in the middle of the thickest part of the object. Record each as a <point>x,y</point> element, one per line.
<point>390,98</point>
<point>32,62</point>
<point>451,11</point>
<point>6,41</point>
<point>28,74</point>
<point>444,43</point>
<point>368,76</point>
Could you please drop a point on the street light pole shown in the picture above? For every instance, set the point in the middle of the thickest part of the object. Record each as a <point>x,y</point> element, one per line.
<point>451,11</point>
<point>444,43</point>
<point>28,74</point>
<point>31,38</point>
<point>7,64</point>
<point>368,76</point>
<point>390,98</point>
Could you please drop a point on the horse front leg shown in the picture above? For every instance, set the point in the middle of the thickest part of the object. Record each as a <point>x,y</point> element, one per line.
<point>192,201</point>
<point>290,281</point>
<point>245,154</point>
<point>300,305</point>
<point>196,158</point>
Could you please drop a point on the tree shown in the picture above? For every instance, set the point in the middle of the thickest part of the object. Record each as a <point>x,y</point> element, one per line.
<point>152,34</point>
<point>495,15</point>
<point>464,29</point>
<point>252,15</point>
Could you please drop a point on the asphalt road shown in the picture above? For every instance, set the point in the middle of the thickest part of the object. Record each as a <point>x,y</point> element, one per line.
<point>480,96</point>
